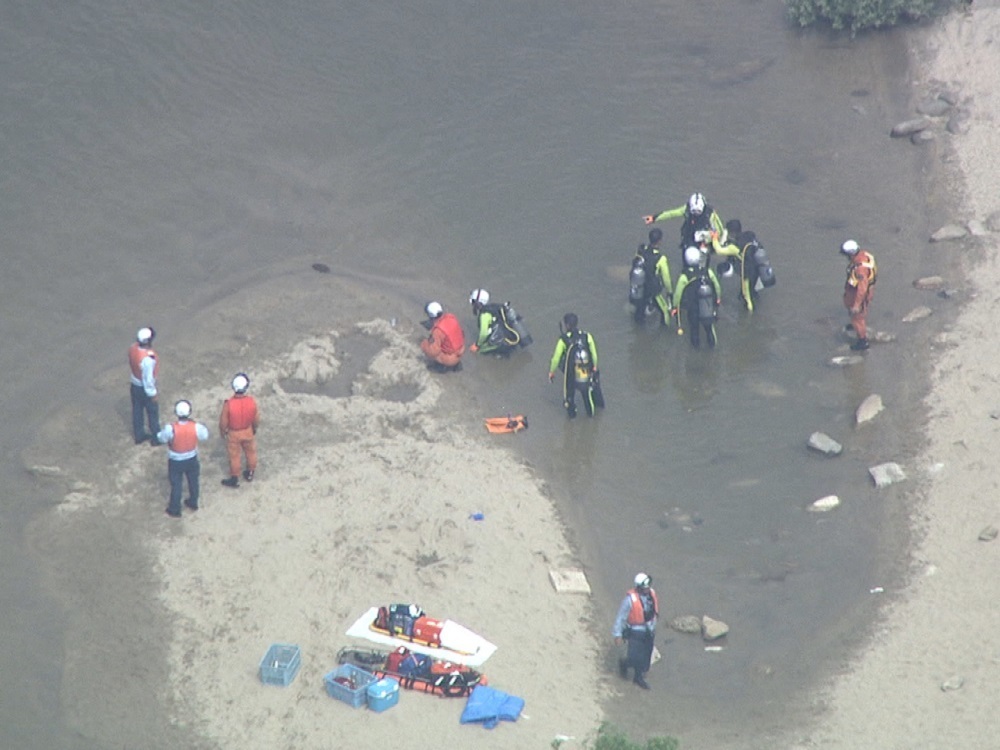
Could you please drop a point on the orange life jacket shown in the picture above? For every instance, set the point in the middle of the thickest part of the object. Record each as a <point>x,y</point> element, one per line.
<point>135,356</point>
<point>242,412</point>
<point>862,259</point>
<point>185,437</point>
<point>636,615</point>
<point>451,335</point>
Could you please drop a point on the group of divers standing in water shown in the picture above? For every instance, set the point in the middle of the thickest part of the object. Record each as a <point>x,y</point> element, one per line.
<point>693,300</point>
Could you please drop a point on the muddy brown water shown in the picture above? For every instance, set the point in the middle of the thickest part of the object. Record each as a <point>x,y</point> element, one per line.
<point>159,158</point>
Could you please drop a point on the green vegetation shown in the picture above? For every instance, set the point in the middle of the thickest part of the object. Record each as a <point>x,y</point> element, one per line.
<point>610,737</point>
<point>858,15</point>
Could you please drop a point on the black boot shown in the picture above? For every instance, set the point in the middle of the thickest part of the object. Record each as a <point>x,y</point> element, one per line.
<point>623,668</point>
<point>860,345</point>
<point>640,680</point>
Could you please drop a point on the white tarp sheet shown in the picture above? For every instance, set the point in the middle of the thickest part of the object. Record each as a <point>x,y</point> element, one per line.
<point>458,644</point>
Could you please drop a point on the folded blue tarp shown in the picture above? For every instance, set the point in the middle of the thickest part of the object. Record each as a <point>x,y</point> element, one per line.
<point>489,705</point>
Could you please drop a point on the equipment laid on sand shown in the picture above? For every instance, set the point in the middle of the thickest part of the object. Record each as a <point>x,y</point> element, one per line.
<point>415,671</point>
<point>442,639</point>
<point>506,424</point>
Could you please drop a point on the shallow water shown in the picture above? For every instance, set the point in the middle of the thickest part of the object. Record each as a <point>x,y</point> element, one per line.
<point>160,157</point>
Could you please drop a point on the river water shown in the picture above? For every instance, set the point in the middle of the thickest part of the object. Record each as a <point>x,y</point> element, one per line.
<point>152,152</point>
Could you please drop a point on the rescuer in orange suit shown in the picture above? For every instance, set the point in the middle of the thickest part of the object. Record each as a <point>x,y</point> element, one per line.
<point>238,424</point>
<point>445,345</point>
<point>859,289</point>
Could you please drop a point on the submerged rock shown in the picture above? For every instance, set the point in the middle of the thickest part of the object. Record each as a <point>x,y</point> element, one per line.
<point>886,474</point>
<point>949,232</point>
<point>909,127</point>
<point>824,504</point>
<point>847,360</point>
<point>917,313</point>
<point>929,283</point>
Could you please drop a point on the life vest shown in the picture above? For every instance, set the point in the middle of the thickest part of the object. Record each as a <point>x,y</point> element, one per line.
<point>637,614</point>
<point>452,336</point>
<point>862,259</point>
<point>242,412</point>
<point>185,437</point>
<point>135,356</point>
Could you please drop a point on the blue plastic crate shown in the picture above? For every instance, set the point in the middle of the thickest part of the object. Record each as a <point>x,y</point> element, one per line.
<point>383,694</point>
<point>355,692</point>
<point>280,664</point>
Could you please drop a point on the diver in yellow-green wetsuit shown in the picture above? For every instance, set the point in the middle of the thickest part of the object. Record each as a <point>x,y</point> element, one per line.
<point>749,260</point>
<point>500,329</point>
<point>649,279</point>
<point>699,220</point>
<point>576,355</point>
<point>699,294</point>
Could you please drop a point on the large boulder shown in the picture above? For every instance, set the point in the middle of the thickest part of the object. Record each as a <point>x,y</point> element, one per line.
<point>949,232</point>
<point>886,474</point>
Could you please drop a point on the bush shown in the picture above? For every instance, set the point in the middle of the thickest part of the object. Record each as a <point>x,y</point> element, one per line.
<point>610,737</point>
<point>857,15</point>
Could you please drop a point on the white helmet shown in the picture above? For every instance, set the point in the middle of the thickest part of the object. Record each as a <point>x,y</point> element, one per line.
<point>433,310</point>
<point>696,203</point>
<point>182,409</point>
<point>240,383</point>
<point>642,581</point>
<point>692,256</point>
<point>849,248</point>
<point>480,296</point>
<point>144,335</point>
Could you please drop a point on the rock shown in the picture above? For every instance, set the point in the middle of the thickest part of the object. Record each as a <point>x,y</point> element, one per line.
<point>952,683</point>
<point>712,630</point>
<point>909,127</point>
<point>988,534</point>
<point>949,232</point>
<point>993,221</point>
<point>958,123</point>
<point>824,504</point>
<point>951,97</point>
<point>917,313</point>
<point>847,361</point>
<point>686,624</point>
<point>824,444</point>
<point>922,137</point>
<point>48,472</point>
<point>947,293</point>
<point>929,283</point>
<point>869,409</point>
<point>886,474</point>
<point>881,337</point>
<point>936,107</point>
<point>977,228</point>
<point>742,71</point>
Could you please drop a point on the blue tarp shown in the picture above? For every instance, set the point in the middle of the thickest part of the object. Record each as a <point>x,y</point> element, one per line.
<point>489,705</point>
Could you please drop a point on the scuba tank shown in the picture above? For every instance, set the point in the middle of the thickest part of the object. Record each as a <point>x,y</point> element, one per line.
<point>581,362</point>
<point>515,323</point>
<point>637,281</point>
<point>764,270</point>
<point>706,300</point>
